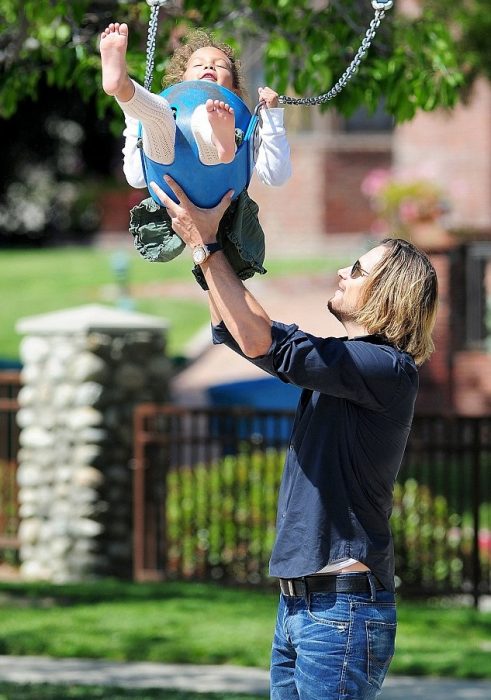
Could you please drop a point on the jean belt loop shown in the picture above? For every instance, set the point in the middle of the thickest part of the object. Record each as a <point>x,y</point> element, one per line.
<point>373,586</point>
<point>306,593</point>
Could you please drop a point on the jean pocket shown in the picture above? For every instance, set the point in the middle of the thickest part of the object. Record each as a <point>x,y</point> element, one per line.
<point>325,609</point>
<point>381,638</point>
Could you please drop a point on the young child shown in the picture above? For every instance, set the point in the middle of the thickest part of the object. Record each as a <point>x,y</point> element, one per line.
<point>213,127</point>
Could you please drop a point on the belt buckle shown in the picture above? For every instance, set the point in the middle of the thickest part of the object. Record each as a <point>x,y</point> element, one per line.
<point>294,587</point>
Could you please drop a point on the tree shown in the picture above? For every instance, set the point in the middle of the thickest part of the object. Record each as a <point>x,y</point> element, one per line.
<point>420,62</point>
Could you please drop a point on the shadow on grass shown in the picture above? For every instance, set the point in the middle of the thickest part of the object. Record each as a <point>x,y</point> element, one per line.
<point>44,595</point>
<point>43,691</point>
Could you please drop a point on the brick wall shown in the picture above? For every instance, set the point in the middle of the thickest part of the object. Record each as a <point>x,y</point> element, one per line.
<point>292,215</point>
<point>346,210</point>
<point>472,383</point>
<point>435,394</point>
<point>454,149</point>
<point>453,380</point>
<point>322,200</point>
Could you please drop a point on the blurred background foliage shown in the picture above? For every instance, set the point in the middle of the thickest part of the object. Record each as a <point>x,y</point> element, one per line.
<point>61,148</point>
<point>420,60</point>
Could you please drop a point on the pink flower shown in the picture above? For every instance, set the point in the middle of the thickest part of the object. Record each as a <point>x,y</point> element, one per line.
<point>485,541</point>
<point>374,182</point>
<point>408,211</point>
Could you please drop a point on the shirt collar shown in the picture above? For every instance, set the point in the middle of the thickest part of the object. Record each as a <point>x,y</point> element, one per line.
<point>375,338</point>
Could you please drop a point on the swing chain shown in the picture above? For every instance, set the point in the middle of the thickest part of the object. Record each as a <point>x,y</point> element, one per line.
<point>380,7</point>
<point>155,6</point>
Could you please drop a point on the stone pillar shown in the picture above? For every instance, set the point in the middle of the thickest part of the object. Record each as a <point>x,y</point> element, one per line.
<point>84,370</point>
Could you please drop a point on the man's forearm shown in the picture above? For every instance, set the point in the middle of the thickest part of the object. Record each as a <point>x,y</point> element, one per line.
<point>231,302</point>
<point>246,320</point>
<point>214,312</point>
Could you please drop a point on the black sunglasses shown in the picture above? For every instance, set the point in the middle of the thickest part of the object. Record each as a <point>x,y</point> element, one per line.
<point>358,271</point>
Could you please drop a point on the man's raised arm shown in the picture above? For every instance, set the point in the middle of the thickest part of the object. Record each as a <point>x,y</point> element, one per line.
<point>230,301</point>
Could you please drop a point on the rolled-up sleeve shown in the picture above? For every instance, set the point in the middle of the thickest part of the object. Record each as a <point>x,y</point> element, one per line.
<point>220,335</point>
<point>359,370</point>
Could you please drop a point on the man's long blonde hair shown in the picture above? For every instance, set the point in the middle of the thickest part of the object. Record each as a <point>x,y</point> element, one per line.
<point>194,40</point>
<point>399,299</point>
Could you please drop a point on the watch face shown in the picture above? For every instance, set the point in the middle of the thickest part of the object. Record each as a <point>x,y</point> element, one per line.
<point>199,255</point>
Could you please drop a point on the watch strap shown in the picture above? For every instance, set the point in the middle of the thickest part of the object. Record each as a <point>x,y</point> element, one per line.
<point>213,247</point>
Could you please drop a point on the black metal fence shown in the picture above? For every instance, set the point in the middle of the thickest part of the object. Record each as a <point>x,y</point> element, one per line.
<point>205,491</point>
<point>206,484</point>
<point>9,435</point>
<point>442,514</point>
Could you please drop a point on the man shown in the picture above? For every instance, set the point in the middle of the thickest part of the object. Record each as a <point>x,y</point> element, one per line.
<point>333,553</point>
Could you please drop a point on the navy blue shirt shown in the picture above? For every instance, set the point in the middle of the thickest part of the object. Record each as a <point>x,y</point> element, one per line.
<point>348,439</point>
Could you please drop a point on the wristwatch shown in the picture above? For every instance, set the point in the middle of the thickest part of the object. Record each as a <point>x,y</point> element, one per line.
<point>203,252</point>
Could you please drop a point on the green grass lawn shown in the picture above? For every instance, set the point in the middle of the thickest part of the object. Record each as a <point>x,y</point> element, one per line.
<point>39,281</point>
<point>209,624</point>
<point>180,623</point>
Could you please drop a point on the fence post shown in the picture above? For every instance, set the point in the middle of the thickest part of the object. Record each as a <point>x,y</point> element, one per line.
<point>9,389</point>
<point>476,503</point>
<point>85,369</point>
<point>139,482</point>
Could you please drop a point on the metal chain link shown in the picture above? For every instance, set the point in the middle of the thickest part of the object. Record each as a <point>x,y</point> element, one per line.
<point>380,8</point>
<point>151,40</point>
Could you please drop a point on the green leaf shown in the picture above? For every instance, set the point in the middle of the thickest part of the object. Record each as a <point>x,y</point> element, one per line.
<point>278,47</point>
<point>305,44</point>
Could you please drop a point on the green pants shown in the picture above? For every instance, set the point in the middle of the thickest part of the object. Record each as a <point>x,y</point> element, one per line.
<point>239,233</point>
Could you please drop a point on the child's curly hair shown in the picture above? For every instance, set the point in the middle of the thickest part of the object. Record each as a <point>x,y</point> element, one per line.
<point>194,40</point>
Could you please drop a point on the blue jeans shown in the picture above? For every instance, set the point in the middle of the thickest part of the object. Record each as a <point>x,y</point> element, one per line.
<point>332,646</point>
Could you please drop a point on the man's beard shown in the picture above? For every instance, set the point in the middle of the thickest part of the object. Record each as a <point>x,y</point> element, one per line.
<point>342,315</point>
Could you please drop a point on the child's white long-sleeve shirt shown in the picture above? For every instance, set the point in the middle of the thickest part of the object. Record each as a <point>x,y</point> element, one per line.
<point>273,165</point>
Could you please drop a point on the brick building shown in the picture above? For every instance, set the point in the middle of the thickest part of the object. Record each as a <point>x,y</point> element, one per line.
<point>456,148</point>
<point>323,203</point>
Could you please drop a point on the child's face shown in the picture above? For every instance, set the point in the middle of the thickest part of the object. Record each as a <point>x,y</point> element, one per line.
<point>212,64</point>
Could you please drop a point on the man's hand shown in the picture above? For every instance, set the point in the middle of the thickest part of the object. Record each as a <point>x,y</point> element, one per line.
<point>194,225</point>
<point>244,317</point>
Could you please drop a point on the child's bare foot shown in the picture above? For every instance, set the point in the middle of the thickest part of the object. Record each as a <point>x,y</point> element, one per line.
<point>222,121</point>
<point>113,46</point>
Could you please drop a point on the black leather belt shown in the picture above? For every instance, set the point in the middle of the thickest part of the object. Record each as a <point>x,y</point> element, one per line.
<point>327,583</point>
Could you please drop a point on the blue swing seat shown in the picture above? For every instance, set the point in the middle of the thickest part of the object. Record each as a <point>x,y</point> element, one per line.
<point>205,185</point>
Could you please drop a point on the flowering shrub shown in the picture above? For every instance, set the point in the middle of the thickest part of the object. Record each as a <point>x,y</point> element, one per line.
<point>401,203</point>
